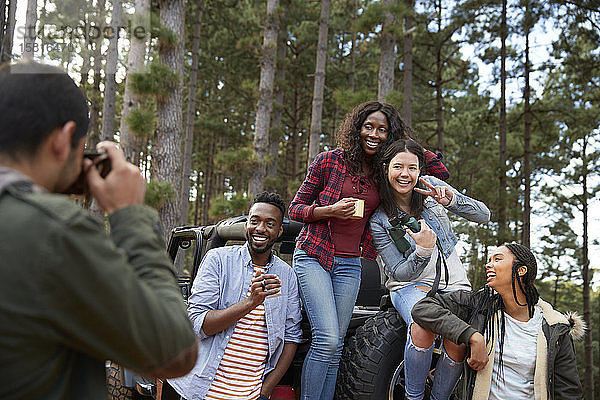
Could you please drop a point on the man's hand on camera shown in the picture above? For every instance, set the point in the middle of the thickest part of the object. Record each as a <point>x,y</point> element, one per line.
<point>122,187</point>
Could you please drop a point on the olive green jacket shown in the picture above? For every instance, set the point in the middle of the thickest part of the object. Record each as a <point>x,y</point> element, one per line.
<point>72,297</point>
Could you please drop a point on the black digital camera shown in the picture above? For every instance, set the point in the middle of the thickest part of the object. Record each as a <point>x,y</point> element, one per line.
<point>102,164</point>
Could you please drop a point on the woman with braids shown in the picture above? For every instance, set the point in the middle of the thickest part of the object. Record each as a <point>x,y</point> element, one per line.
<point>521,348</point>
<point>329,247</point>
<point>428,260</point>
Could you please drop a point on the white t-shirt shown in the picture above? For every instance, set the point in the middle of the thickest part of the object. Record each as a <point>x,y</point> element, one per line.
<point>515,381</point>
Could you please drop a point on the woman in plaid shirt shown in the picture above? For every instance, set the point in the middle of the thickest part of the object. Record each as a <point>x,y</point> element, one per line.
<point>329,247</point>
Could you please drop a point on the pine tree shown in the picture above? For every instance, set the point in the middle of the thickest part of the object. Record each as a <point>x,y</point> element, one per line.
<point>30,31</point>
<point>388,51</point>
<point>137,123</point>
<point>265,98</point>
<point>319,88</point>
<point>166,151</point>
<point>110,84</point>
<point>190,114</point>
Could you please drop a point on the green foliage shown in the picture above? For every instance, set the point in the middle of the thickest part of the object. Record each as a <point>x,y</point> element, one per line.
<point>155,80</point>
<point>228,206</point>
<point>346,99</point>
<point>158,193</point>
<point>395,98</point>
<point>165,37</point>
<point>235,160</point>
<point>371,17</point>
<point>142,122</point>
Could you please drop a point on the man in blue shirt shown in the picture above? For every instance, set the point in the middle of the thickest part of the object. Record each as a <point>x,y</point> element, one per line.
<point>245,309</point>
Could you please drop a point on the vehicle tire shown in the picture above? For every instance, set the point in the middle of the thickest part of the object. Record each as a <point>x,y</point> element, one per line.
<point>372,358</point>
<point>114,383</point>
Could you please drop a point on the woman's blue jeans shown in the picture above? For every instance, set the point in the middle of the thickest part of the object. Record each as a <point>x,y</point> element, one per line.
<point>328,298</point>
<point>417,361</point>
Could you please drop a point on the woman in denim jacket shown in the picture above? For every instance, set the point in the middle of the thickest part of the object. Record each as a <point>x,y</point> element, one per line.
<point>412,273</point>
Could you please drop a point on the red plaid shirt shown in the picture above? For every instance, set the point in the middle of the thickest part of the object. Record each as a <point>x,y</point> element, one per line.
<point>323,187</point>
<point>434,166</point>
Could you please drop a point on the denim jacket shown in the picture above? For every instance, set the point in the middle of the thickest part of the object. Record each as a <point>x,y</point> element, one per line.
<point>406,267</point>
<point>223,280</point>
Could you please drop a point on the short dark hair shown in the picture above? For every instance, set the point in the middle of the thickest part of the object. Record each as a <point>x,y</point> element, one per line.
<point>270,198</point>
<point>35,99</point>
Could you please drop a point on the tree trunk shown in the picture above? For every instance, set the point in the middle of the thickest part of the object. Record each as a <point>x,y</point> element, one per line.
<point>587,313</point>
<point>3,24</point>
<point>319,87</point>
<point>525,236</point>
<point>166,152</point>
<point>9,32</point>
<point>43,38</point>
<point>352,77</point>
<point>292,158</point>
<point>190,117</point>
<point>388,53</point>
<point>438,83</point>
<point>265,99</point>
<point>209,180</point>
<point>199,195</point>
<point>131,142</point>
<point>96,96</point>
<point>277,127</point>
<point>555,292</point>
<point>29,36</point>
<point>502,234</point>
<point>408,63</point>
<point>110,85</point>
<point>85,67</point>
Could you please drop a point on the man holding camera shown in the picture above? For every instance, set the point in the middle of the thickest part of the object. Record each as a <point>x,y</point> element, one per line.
<point>246,311</point>
<point>72,297</point>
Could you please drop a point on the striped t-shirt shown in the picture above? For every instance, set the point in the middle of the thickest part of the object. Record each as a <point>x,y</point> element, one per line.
<point>239,375</point>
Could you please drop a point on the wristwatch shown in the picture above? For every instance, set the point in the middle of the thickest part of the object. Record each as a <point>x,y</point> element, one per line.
<point>262,397</point>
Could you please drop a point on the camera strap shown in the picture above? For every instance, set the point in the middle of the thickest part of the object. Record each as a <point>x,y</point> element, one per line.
<point>438,270</point>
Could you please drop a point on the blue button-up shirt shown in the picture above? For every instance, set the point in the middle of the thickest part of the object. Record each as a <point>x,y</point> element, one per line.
<point>223,279</point>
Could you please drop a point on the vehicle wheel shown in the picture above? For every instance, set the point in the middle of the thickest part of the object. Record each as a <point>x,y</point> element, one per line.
<point>372,362</point>
<point>114,383</point>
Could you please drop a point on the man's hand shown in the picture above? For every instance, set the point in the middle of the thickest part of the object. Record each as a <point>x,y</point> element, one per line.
<point>219,320</point>
<point>122,187</point>
<point>479,354</point>
<point>262,286</point>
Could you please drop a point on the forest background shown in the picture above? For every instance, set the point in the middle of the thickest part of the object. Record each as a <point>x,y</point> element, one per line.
<point>216,100</point>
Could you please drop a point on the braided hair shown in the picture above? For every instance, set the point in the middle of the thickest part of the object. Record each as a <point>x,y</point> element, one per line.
<point>524,257</point>
<point>492,302</point>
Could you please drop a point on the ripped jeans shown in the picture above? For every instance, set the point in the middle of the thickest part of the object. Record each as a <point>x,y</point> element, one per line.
<point>417,361</point>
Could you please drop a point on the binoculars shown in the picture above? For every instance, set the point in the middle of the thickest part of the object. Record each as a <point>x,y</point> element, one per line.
<point>400,222</point>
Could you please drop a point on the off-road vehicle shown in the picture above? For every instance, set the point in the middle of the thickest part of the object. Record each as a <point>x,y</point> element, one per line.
<point>372,362</point>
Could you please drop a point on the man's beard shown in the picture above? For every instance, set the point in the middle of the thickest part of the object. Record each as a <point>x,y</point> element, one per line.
<point>259,250</point>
